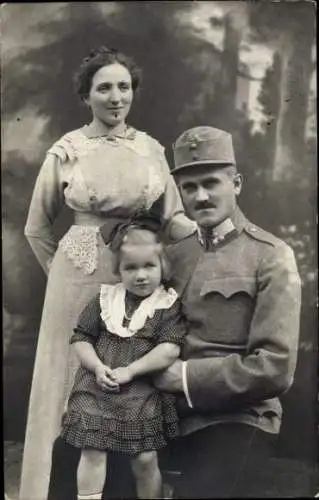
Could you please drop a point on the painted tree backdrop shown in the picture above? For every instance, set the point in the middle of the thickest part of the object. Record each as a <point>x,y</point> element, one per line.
<point>248,67</point>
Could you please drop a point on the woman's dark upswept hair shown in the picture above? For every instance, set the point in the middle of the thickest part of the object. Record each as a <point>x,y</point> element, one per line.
<point>97,59</point>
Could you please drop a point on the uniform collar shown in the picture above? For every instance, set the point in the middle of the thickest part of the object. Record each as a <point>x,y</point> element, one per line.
<point>239,220</point>
<point>217,233</point>
<point>233,224</point>
<point>94,129</point>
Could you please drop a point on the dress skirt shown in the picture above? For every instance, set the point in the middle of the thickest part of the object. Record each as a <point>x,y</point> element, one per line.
<point>69,289</point>
<point>135,419</point>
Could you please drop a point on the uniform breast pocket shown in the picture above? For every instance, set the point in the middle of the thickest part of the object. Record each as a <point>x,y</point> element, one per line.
<point>230,285</point>
<point>228,305</point>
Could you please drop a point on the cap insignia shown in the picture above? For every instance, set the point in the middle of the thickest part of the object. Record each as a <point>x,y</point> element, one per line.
<point>192,146</point>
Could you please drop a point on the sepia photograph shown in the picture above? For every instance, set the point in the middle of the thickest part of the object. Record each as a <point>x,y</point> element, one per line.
<point>159,250</point>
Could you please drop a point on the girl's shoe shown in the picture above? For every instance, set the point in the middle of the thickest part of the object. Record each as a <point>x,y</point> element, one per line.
<point>168,491</point>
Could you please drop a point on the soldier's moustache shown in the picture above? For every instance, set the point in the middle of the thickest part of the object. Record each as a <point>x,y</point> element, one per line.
<point>203,204</point>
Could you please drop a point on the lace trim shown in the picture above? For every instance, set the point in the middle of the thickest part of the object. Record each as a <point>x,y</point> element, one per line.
<point>76,144</point>
<point>112,302</point>
<point>141,144</point>
<point>153,190</point>
<point>80,246</point>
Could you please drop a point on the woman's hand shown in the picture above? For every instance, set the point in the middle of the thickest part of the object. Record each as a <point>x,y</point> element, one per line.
<point>122,375</point>
<point>105,378</point>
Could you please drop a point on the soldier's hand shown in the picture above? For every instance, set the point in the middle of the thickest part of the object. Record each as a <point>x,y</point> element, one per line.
<point>170,380</point>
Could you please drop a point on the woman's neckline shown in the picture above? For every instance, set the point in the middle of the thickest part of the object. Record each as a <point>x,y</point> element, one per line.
<point>93,130</point>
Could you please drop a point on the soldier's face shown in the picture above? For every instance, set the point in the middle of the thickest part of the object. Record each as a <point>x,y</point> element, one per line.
<point>209,193</point>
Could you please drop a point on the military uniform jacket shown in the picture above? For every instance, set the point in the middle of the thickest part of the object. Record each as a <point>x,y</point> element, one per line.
<point>241,300</point>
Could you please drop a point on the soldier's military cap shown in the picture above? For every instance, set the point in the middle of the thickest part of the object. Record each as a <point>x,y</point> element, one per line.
<point>203,146</point>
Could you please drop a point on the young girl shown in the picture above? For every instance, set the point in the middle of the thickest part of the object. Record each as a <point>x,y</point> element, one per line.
<point>124,335</point>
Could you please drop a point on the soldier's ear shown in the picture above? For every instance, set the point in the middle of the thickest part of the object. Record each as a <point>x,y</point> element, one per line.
<point>238,182</point>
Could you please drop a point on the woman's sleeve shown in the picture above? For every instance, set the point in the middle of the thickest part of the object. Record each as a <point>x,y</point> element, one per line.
<point>46,203</point>
<point>176,225</point>
<point>88,325</point>
<point>172,327</point>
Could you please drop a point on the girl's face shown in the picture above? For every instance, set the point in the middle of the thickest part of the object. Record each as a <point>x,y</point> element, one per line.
<point>111,94</point>
<point>140,269</point>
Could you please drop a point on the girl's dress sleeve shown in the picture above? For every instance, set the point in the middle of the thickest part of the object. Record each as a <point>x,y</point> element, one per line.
<point>176,225</point>
<point>46,203</point>
<point>89,323</point>
<point>172,326</point>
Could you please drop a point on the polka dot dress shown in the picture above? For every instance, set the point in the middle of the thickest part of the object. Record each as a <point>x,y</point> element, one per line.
<point>138,417</point>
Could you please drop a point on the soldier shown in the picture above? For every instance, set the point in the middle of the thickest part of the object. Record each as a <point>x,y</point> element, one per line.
<point>241,296</point>
<point>240,291</point>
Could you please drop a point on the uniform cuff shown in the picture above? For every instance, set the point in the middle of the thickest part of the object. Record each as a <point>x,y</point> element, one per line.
<point>185,386</point>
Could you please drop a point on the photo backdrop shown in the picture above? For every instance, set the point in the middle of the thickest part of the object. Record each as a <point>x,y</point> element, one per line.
<point>247,67</point>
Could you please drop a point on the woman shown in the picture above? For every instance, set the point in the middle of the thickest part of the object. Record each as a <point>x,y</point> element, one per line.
<point>105,172</point>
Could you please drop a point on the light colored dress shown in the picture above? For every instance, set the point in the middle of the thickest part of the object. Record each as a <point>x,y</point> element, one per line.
<point>103,180</point>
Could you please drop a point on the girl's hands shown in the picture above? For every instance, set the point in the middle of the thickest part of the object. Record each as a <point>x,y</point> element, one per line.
<point>122,375</point>
<point>105,378</point>
<point>110,380</point>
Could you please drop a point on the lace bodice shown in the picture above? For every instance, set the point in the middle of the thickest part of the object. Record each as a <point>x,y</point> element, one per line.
<point>100,177</point>
<point>110,175</point>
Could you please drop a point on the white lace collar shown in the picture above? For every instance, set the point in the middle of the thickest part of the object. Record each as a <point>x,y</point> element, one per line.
<point>94,129</point>
<point>112,302</point>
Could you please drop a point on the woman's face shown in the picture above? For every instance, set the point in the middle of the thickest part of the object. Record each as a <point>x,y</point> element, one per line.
<point>111,94</point>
